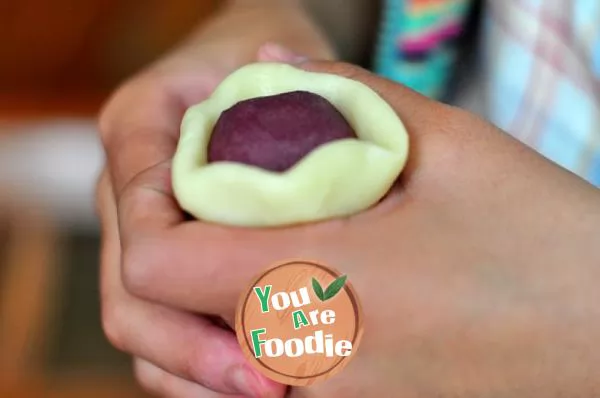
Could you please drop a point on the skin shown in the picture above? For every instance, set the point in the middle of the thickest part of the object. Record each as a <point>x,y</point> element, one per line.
<point>485,256</point>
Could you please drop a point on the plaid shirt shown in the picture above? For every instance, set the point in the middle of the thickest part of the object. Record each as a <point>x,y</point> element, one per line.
<point>541,61</point>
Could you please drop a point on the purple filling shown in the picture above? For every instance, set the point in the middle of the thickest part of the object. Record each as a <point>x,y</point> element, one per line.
<point>277,131</point>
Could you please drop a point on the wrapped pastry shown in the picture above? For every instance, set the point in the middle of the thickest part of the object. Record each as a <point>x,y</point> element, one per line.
<point>275,145</point>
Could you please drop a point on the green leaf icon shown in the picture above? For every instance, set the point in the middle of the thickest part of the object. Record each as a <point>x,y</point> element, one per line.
<point>331,290</point>
<point>335,287</point>
<point>318,289</point>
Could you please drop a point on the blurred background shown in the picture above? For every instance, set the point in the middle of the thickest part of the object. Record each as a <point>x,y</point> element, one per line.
<point>59,61</point>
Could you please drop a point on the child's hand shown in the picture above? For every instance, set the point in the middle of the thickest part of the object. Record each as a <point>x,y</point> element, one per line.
<point>477,275</point>
<point>178,352</point>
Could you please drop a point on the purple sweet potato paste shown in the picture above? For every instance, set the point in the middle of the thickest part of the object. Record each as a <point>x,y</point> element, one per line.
<point>275,132</point>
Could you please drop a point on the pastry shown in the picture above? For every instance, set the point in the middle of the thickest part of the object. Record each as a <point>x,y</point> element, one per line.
<point>275,145</point>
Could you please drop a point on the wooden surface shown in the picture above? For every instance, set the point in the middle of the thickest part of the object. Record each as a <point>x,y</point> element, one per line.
<point>30,280</point>
<point>30,274</point>
<point>75,387</point>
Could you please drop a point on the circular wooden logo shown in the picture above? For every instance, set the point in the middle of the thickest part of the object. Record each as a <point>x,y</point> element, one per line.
<point>299,322</point>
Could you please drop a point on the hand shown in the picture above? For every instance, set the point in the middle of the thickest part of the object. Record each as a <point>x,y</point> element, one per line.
<point>477,275</point>
<point>177,352</point>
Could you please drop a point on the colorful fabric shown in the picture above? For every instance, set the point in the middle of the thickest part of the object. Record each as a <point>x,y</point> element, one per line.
<point>541,62</point>
<point>417,42</point>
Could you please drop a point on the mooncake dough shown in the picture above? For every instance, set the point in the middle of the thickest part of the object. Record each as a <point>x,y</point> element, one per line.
<point>336,179</point>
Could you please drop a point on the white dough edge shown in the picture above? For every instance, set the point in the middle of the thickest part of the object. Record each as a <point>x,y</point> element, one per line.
<point>337,179</point>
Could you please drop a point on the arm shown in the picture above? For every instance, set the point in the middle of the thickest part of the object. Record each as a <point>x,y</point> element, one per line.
<point>484,262</point>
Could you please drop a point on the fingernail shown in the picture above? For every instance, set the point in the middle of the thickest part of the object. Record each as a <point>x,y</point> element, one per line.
<point>277,52</point>
<point>245,382</point>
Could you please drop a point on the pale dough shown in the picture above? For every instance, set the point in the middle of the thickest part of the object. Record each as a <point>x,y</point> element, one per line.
<point>337,179</point>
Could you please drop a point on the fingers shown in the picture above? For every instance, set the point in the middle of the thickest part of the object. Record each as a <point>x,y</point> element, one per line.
<point>156,381</point>
<point>203,267</point>
<point>139,128</point>
<point>184,345</point>
<point>146,206</point>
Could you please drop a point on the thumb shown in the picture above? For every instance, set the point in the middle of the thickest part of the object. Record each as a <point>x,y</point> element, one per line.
<point>420,114</point>
<point>414,109</point>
